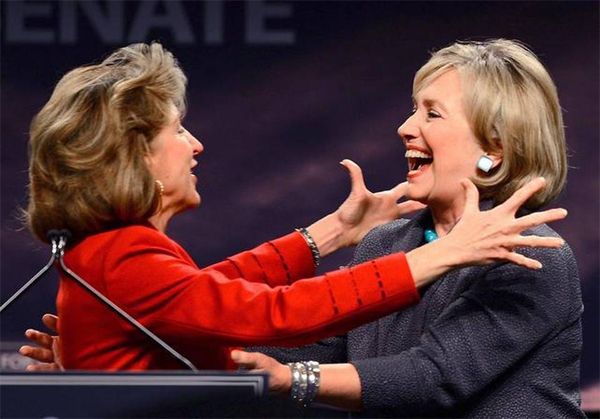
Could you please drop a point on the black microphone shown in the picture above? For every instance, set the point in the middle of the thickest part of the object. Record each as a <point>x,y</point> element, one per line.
<point>59,240</point>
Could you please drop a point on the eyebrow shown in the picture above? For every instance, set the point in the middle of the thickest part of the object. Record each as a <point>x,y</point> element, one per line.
<point>431,103</point>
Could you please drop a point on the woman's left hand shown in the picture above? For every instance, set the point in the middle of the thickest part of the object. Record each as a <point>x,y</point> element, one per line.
<point>364,210</point>
<point>280,375</point>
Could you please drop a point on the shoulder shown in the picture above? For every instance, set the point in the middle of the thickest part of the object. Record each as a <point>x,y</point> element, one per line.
<point>559,262</point>
<point>140,235</point>
<point>127,241</point>
<point>555,286</point>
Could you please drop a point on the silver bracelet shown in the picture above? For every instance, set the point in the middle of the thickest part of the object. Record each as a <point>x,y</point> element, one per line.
<point>306,378</point>
<point>314,250</point>
<point>314,381</point>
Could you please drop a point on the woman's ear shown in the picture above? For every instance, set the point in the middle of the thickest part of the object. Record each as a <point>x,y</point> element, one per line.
<point>496,154</point>
<point>491,159</point>
<point>496,159</point>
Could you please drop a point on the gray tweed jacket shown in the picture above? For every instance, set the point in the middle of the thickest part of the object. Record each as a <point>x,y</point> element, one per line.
<point>490,341</point>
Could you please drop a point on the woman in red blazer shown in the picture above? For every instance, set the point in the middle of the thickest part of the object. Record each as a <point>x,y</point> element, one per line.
<point>111,162</point>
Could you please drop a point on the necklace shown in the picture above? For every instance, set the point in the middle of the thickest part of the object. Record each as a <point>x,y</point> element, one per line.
<point>430,235</point>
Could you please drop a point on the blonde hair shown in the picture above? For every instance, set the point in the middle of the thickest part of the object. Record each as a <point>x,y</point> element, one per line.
<point>87,169</point>
<point>512,104</point>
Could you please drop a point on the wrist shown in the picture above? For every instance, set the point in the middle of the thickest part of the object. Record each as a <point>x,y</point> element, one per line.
<point>328,234</point>
<point>305,381</point>
<point>430,261</point>
<point>286,379</point>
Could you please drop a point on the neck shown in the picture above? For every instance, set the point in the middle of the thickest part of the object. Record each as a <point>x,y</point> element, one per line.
<point>446,215</point>
<point>160,221</point>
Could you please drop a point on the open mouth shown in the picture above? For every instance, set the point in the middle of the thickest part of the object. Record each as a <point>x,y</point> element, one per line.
<point>418,160</point>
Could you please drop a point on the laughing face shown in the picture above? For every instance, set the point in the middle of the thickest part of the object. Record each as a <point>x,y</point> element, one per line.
<point>440,146</point>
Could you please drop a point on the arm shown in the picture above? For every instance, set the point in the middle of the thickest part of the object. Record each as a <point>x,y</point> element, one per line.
<point>340,383</point>
<point>208,306</point>
<point>175,299</point>
<point>349,395</point>
<point>285,260</point>
<point>227,311</point>
<point>492,330</point>
<point>488,331</point>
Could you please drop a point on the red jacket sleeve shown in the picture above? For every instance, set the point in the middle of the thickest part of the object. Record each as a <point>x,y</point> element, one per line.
<point>147,276</point>
<point>277,262</point>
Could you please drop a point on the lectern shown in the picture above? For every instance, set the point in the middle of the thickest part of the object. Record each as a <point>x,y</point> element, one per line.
<point>127,394</point>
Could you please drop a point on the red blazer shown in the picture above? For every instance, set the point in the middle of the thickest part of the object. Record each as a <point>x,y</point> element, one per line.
<point>249,299</point>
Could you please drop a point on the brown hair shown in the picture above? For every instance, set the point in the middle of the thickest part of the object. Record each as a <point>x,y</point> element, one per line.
<point>87,171</point>
<point>512,104</point>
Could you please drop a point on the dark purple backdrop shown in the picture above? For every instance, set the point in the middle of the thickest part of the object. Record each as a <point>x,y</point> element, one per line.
<point>278,100</point>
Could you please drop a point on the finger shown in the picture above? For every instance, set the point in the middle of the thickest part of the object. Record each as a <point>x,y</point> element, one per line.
<point>532,220</point>
<point>244,359</point>
<point>522,260</point>
<point>356,175</point>
<point>39,354</point>
<point>471,197</point>
<point>42,367</point>
<point>399,190</point>
<point>536,241</point>
<point>408,207</point>
<point>50,321</point>
<point>41,338</point>
<point>523,194</point>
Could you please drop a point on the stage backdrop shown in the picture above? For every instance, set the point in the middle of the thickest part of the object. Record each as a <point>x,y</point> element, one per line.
<point>279,93</point>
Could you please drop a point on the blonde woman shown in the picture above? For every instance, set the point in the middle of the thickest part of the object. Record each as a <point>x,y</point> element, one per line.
<point>484,341</point>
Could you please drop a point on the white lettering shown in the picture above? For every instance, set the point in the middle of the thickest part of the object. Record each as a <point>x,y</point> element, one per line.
<point>109,25</point>
<point>173,19</point>
<point>48,22</point>
<point>213,22</point>
<point>257,13</point>
<point>16,25</point>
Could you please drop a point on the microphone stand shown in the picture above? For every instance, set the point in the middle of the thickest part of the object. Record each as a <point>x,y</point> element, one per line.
<point>59,241</point>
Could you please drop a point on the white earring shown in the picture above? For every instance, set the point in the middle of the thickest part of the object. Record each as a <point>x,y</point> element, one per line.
<point>485,163</point>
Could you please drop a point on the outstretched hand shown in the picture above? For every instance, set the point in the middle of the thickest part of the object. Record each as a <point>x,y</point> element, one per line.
<point>483,237</point>
<point>490,236</point>
<point>47,349</point>
<point>364,210</point>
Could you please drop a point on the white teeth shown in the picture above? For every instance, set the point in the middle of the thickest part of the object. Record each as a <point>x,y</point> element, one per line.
<point>417,154</point>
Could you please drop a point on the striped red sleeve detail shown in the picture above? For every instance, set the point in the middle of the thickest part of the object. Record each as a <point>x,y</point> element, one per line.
<point>370,282</point>
<point>278,262</point>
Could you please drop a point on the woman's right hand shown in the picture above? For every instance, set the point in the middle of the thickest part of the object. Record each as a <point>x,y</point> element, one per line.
<point>47,347</point>
<point>483,237</point>
<point>362,211</point>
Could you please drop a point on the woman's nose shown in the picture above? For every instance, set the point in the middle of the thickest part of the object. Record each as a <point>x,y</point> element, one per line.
<point>197,146</point>
<point>408,130</point>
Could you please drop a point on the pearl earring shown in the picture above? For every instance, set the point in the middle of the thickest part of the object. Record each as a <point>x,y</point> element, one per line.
<point>485,163</point>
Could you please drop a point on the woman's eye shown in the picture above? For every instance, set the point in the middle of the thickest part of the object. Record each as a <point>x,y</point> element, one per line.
<point>181,130</point>
<point>433,114</point>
